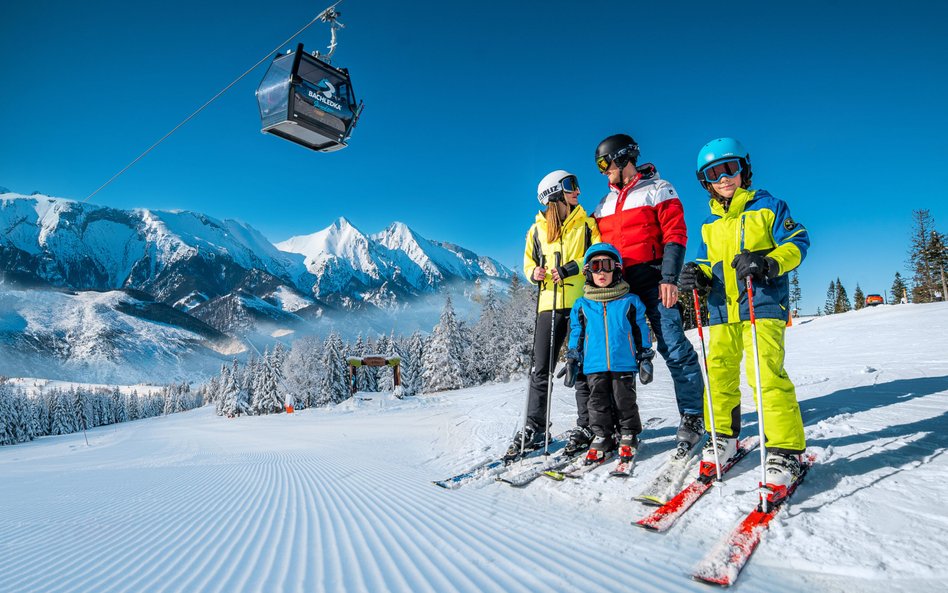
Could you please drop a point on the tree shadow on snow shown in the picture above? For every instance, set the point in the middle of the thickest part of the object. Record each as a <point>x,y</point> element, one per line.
<point>888,451</point>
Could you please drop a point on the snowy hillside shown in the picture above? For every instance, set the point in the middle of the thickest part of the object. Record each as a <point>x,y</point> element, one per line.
<point>342,500</point>
<point>110,337</point>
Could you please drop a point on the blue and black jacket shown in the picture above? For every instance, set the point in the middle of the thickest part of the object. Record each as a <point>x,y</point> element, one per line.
<point>609,333</point>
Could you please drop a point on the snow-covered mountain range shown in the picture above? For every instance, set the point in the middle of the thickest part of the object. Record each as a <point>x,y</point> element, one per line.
<point>221,275</point>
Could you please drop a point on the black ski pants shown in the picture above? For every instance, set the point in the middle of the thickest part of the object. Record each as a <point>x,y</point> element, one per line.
<point>536,403</point>
<point>612,405</point>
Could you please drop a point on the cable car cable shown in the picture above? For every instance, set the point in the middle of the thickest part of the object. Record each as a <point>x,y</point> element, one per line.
<point>327,14</point>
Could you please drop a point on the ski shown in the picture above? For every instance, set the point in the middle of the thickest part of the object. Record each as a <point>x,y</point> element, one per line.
<point>482,469</point>
<point>724,563</point>
<point>578,468</point>
<point>669,480</point>
<point>518,477</point>
<point>625,465</point>
<point>492,467</point>
<point>665,516</point>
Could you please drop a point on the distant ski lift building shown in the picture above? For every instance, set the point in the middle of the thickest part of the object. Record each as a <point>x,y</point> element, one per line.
<point>308,101</point>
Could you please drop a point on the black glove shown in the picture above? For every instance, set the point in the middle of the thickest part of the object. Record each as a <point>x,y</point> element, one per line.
<point>646,371</point>
<point>574,358</point>
<point>692,278</point>
<point>756,265</point>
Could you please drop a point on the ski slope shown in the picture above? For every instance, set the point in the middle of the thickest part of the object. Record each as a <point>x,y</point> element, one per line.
<point>341,499</point>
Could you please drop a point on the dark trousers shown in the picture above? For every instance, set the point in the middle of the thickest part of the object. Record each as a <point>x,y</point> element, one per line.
<point>536,407</point>
<point>671,343</point>
<point>612,405</point>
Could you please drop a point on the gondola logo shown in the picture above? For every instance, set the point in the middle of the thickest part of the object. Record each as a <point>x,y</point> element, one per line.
<point>325,95</point>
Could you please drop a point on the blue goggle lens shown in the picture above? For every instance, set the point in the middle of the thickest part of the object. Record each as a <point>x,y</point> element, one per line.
<point>718,171</point>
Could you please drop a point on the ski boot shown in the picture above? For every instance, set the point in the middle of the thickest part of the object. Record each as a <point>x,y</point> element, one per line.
<point>628,443</point>
<point>579,439</point>
<point>690,430</point>
<point>598,450</point>
<point>530,438</point>
<point>782,471</point>
<point>726,449</point>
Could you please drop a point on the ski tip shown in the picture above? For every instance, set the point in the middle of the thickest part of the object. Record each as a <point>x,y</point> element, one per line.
<point>646,526</point>
<point>652,501</point>
<point>716,580</point>
<point>555,475</point>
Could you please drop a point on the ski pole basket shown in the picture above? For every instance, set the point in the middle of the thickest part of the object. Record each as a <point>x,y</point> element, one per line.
<point>308,101</point>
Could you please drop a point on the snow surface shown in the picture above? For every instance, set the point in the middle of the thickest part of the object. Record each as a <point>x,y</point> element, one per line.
<point>342,500</point>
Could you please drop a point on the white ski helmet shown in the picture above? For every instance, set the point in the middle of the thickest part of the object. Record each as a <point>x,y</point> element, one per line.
<point>552,186</point>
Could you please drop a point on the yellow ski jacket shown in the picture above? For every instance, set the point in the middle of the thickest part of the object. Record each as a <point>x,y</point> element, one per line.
<point>579,231</point>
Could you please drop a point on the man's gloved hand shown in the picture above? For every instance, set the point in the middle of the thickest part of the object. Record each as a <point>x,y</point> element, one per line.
<point>693,278</point>
<point>574,358</point>
<point>646,371</point>
<point>756,265</point>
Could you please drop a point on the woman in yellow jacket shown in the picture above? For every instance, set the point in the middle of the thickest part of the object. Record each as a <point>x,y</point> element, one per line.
<point>553,260</point>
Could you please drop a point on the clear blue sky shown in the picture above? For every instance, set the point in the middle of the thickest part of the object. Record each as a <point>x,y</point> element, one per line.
<point>841,104</point>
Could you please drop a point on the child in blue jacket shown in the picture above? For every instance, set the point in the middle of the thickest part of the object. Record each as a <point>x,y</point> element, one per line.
<point>609,337</point>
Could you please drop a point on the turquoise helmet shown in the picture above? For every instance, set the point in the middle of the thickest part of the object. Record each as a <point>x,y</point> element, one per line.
<point>602,249</point>
<point>721,149</point>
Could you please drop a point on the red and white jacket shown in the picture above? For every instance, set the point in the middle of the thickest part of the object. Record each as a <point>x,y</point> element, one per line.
<point>642,218</point>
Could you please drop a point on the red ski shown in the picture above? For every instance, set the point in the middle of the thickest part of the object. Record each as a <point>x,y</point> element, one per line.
<point>662,518</point>
<point>724,563</point>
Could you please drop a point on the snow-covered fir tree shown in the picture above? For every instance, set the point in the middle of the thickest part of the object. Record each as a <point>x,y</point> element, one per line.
<point>859,299</point>
<point>370,374</point>
<point>487,343</point>
<point>267,397</point>
<point>303,372</point>
<point>334,386</point>
<point>796,295</point>
<point>63,415</point>
<point>7,419</point>
<point>829,307</point>
<point>234,396</point>
<point>134,406</point>
<point>385,376</point>
<point>443,360</point>
<point>518,320</point>
<point>412,367</point>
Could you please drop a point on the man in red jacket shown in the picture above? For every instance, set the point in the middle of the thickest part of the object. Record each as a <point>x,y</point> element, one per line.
<point>643,217</point>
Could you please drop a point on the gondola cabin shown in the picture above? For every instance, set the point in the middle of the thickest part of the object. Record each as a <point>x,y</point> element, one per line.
<point>308,101</point>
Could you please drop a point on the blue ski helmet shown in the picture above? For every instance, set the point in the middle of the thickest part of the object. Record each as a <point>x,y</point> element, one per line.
<point>602,249</point>
<point>722,149</point>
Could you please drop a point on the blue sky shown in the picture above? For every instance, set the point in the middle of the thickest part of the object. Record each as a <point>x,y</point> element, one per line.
<point>468,104</point>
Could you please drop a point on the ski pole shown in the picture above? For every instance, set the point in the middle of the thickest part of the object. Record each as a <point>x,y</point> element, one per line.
<point>549,376</point>
<point>707,384</point>
<point>760,400</point>
<point>536,323</point>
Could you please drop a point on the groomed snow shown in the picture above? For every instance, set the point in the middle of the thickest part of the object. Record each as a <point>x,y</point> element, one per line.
<point>342,500</point>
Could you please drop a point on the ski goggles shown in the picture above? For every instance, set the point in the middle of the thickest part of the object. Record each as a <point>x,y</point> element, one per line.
<point>718,171</point>
<point>602,265</point>
<point>555,194</point>
<point>621,158</point>
<point>570,184</point>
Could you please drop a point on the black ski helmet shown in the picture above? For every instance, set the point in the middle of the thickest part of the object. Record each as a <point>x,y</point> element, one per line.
<point>613,146</point>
